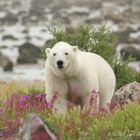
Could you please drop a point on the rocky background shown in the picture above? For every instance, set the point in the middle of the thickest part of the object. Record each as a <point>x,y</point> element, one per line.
<point>23,30</point>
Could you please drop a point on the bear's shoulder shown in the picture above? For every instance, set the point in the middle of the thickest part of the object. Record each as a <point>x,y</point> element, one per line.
<point>89,56</point>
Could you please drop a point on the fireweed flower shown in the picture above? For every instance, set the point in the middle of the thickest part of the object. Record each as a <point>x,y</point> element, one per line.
<point>93,102</point>
<point>75,88</point>
<point>25,98</point>
<point>1,110</point>
<point>93,94</point>
<point>50,104</point>
<point>21,105</point>
<point>22,102</point>
<point>43,97</point>
<point>37,97</point>
<point>9,123</point>
<point>95,113</point>
<point>54,98</point>
<point>10,103</point>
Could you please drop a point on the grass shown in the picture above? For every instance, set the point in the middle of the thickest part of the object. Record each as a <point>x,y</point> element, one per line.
<point>21,87</point>
<point>19,99</point>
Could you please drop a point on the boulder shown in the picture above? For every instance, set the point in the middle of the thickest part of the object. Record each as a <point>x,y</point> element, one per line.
<point>130,50</point>
<point>123,36</point>
<point>116,18</point>
<point>8,66</point>
<point>35,129</point>
<point>136,5</point>
<point>29,53</point>
<point>9,18</point>
<point>79,11</point>
<point>6,63</point>
<point>8,37</point>
<point>127,93</point>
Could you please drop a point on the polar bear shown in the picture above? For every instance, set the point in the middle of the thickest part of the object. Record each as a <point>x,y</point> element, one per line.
<point>67,67</point>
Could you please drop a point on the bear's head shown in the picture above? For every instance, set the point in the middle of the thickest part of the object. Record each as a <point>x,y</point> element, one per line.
<point>61,56</point>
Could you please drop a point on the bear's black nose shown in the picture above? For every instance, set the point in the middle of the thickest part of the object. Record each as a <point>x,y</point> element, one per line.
<point>60,64</point>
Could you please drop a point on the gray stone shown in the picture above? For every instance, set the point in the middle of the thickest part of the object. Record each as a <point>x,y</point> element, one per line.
<point>29,53</point>
<point>132,50</point>
<point>123,36</point>
<point>136,5</point>
<point>127,93</point>
<point>6,63</point>
<point>9,18</point>
<point>8,37</point>
<point>117,18</point>
<point>35,129</point>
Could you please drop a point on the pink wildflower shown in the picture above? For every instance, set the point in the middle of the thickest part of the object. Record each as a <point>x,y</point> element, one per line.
<point>75,88</point>
<point>25,98</point>
<point>1,110</point>
<point>93,97</point>
<point>93,94</point>
<point>54,98</point>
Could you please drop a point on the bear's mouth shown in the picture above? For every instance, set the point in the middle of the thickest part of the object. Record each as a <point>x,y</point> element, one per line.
<point>60,67</point>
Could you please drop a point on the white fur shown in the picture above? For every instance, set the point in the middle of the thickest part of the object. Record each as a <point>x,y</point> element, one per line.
<point>87,71</point>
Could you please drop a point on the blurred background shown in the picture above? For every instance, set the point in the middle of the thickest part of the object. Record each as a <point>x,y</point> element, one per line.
<point>24,30</point>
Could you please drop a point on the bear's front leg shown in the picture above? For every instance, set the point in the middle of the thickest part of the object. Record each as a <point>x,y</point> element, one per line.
<point>56,91</point>
<point>57,103</point>
<point>60,106</point>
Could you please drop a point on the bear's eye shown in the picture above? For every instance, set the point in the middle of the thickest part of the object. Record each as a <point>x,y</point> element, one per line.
<point>54,54</point>
<point>66,53</point>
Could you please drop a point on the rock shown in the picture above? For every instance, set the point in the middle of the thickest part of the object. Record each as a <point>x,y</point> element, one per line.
<point>79,11</point>
<point>5,37</point>
<point>6,63</point>
<point>8,67</point>
<point>117,18</point>
<point>136,5</point>
<point>29,53</point>
<point>130,50</point>
<point>9,18</point>
<point>1,30</point>
<point>35,129</point>
<point>127,93</point>
<point>123,36</point>
<point>39,6</point>
<point>135,36</point>
<point>135,66</point>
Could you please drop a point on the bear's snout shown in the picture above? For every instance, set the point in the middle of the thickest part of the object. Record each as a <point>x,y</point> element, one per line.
<point>60,64</point>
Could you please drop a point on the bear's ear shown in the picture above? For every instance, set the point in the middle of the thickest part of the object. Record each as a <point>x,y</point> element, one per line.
<point>47,51</point>
<point>75,48</point>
